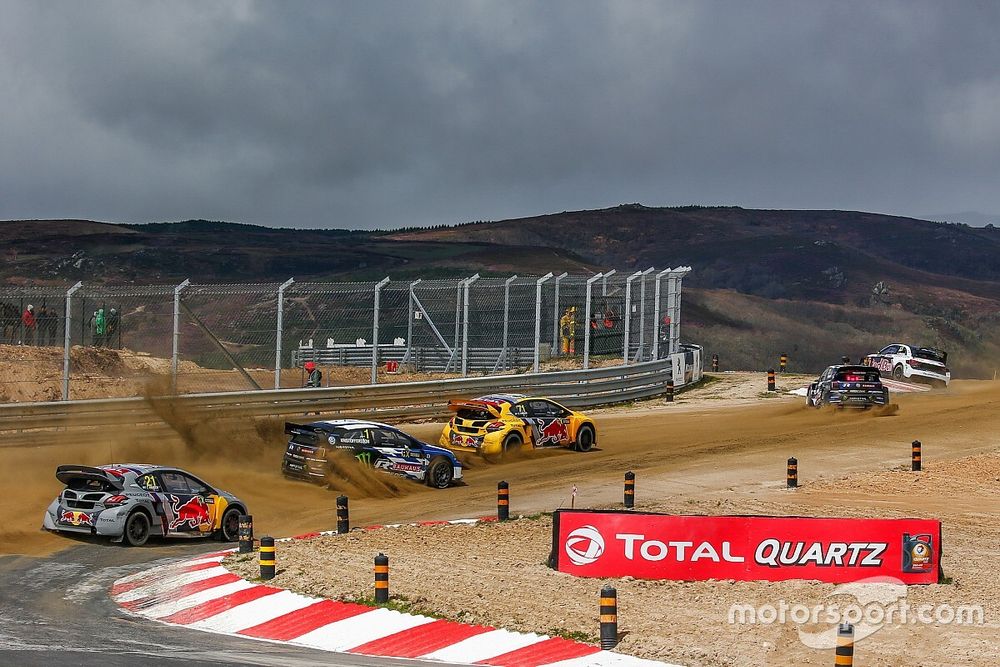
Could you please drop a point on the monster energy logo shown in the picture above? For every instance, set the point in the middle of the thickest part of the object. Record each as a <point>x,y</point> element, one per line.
<point>365,458</point>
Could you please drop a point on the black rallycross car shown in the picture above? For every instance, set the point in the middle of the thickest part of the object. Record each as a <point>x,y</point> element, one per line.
<point>848,387</point>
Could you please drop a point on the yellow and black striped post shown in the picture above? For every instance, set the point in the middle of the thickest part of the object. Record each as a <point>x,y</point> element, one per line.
<point>770,380</point>
<point>629,489</point>
<point>670,391</point>
<point>792,473</point>
<point>246,534</point>
<point>609,618</point>
<point>845,359</point>
<point>266,557</point>
<point>381,578</point>
<point>782,362</point>
<point>503,501</point>
<point>915,456</point>
<point>343,518</point>
<point>845,646</point>
<point>715,363</point>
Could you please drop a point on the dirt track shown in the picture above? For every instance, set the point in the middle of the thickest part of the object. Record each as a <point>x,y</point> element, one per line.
<point>696,455</point>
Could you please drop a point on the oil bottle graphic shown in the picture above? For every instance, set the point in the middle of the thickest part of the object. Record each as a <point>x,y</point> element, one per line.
<point>918,553</point>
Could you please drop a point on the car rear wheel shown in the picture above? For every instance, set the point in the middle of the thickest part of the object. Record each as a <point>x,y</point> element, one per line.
<point>136,529</point>
<point>229,530</point>
<point>897,372</point>
<point>440,473</point>
<point>584,438</point>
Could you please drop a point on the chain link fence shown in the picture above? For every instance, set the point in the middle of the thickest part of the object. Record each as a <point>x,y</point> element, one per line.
<point>190,338</point>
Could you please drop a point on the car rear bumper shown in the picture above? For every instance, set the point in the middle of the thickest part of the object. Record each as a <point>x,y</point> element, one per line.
<point>306,470</point>
<point>845,400</point>
<point>919,373</point>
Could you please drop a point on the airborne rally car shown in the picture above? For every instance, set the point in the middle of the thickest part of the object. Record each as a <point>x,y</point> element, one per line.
<point>909,362</point>
<point>500,423</point>
<point>848,387</point>
<point>380,446</point>
<point>129,502</point>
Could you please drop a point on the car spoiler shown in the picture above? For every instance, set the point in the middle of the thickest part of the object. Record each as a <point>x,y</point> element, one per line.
<point>291,427</point>
<point>458,404</point>
<point>66,473</point>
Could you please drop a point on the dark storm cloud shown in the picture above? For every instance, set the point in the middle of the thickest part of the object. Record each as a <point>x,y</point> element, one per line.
<point>368,114</point>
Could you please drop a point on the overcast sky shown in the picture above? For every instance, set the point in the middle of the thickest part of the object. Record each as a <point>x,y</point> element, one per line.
<point>384,114</point>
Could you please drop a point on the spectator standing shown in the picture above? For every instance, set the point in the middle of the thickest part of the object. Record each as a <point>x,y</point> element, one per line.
<point>315,378</point>
<point>99,327</point>
<point>28,324</point>
<point>111,327</point>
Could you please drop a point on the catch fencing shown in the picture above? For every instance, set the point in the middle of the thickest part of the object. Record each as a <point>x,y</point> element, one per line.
<point>97,341</point>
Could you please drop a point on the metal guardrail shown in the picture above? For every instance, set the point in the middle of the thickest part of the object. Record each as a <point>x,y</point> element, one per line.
<point>68,421</point>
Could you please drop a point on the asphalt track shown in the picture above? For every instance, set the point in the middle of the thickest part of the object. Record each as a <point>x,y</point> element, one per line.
<point>56,608</point>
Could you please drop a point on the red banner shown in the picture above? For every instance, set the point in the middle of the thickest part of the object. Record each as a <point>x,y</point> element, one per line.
<point>594,543</point>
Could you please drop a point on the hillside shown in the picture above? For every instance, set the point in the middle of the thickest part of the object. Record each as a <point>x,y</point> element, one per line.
<point>753,268</point>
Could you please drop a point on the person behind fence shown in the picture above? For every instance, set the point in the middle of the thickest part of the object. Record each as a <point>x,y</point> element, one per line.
<point>111,326</point>
<point>315,378</point>
<point>28,324</point>
<point>100,327</point>
<point>567,331</point>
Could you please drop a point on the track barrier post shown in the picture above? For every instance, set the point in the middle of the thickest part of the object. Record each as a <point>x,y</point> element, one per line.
<point>343,518</point>
<point>629,490</point>
<point>845,359</point>
<point>381,578</point>
<point>609,618</point>
<point>246,534</point>
<point>503,501</point>
<point>792,473</point>
<point>266,556</point>
<point>845,646</point>
<point>770,380</point>
<point>782,362</point>
<point>715,363</point>
<point>915,460</point>
<point>670,391</point>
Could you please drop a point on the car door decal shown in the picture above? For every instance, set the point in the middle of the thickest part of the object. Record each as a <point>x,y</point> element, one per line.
<point>190,512</point>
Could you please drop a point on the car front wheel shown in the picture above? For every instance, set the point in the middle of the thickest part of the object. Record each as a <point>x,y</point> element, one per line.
<point>229,531</point>
<point>584,438</point>
<point>440,473</point>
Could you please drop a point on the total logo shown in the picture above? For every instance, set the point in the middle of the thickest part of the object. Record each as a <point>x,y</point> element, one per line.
<point>584,545</point>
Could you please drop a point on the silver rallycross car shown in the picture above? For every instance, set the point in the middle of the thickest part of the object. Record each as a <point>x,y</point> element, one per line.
<point>129,502</point>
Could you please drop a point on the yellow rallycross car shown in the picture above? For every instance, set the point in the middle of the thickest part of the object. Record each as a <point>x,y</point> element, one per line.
<point>500,423</point>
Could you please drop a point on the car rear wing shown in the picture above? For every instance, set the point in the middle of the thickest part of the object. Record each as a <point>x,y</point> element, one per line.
<point>67,473</point>
<point>458,404</point>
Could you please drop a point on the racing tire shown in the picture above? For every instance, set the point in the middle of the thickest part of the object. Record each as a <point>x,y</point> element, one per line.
<point>440,473</point>
<point>585,438</point>
<point>511,443</point>
<point>136,529</point>
<point>897,372</point>
<point>229,528</point>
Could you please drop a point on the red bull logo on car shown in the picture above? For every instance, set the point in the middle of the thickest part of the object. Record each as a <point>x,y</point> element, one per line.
<point>189,514</point>
<point>77,518</point>
<point>555,431</point>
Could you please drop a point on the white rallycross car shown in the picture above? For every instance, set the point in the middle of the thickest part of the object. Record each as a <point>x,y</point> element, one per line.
<point>909,362</point>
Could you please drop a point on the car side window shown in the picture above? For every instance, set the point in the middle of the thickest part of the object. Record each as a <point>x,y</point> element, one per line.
<point>520,410</point>
<point>148,482</point>
<point>360,438</point>
<point>393,439</point>
<point>174,482</point>
<point>194,486</point>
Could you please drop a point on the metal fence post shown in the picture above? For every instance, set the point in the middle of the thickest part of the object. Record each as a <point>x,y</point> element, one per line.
<point>378,289</point>
<point>280,330</point>
<point>674,304</point>
<point>504,352</point>
<point>642,314</point>
<point>538,315</point>
<point>604,283</point>
<point>177,334</point>
<point>409,323</point>
<point>465,323</point>
<point>628,314</point>
<point>656,314</point>
<point>555,316</point>
<point>586,320</point>
<point>66,339</point>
